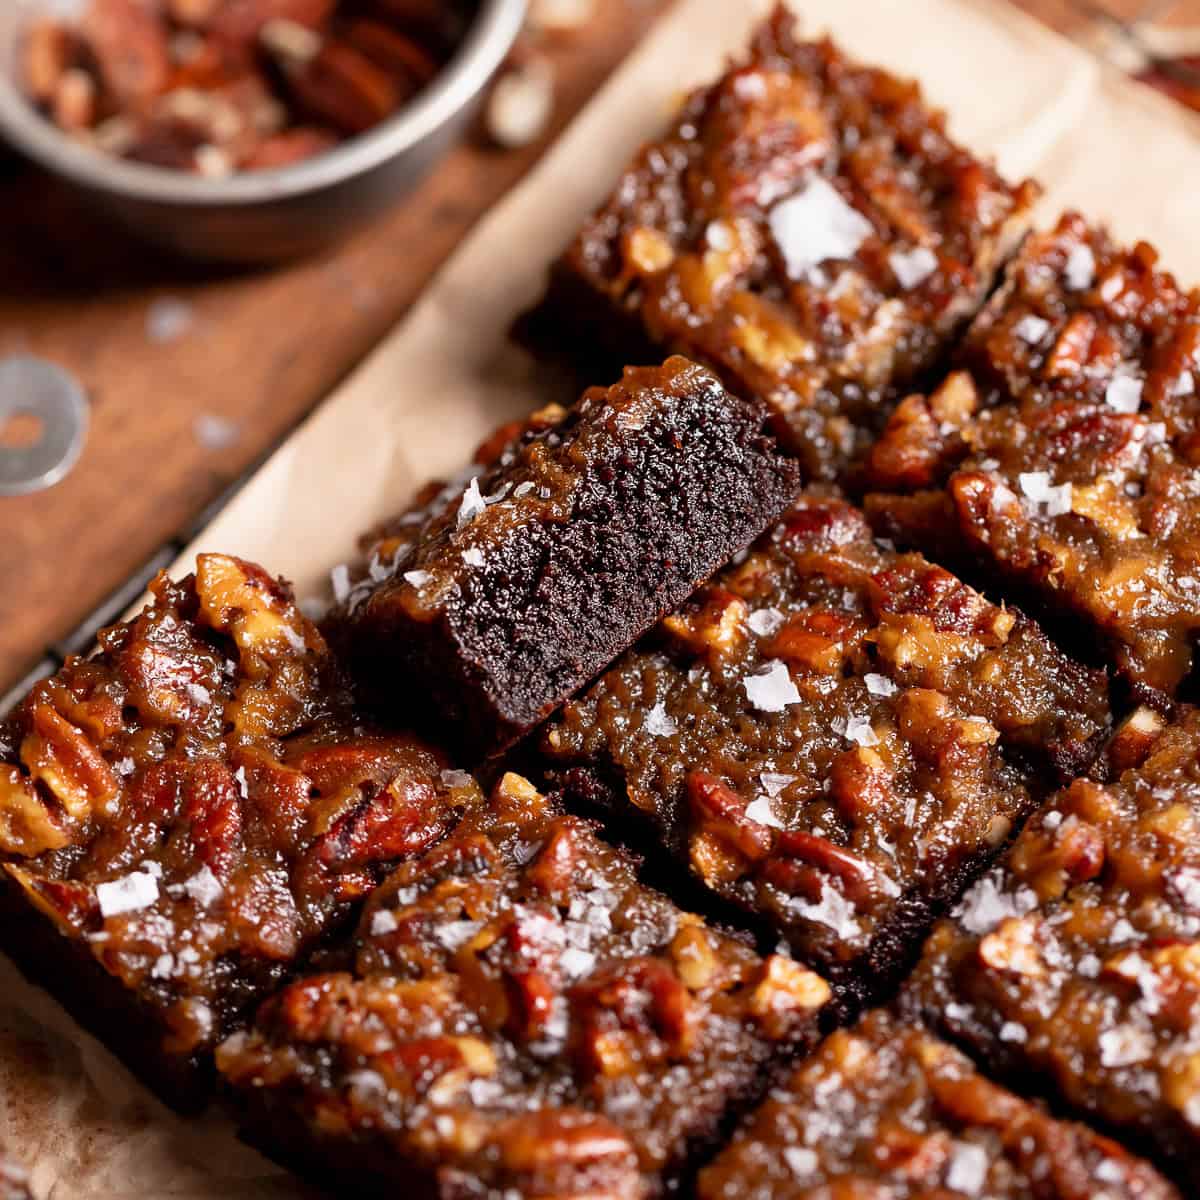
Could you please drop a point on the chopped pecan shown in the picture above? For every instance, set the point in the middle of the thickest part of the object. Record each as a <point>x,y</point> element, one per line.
<point>786,989</point>
<point>72,907</point>
<point>1013,948</point>
<point>1133,739</point>
<point>544,1142</point>
<point>802,859</point>
<point>818,640</point>
<point>723,839</point>
<point>556,869</point>
<point>27,827</point>
<point>342,87</point>
<point>130,45</point>
<point>60,757</point>
<point>713,622</point>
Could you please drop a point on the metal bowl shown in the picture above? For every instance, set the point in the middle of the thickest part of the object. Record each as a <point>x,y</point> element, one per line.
<point>265,216</point>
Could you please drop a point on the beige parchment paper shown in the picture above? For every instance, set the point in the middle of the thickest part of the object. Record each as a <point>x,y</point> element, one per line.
<point>447,376</point>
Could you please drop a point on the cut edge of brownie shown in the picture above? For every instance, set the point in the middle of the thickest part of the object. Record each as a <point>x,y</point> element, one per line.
<point>589,584</point>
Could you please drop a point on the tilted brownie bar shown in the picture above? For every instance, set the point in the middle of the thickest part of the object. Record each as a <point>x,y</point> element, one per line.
<point>808,229</point>
<point>1065,460</point>
<point>520,1018</point>
<point>885,1111</point>
<point>517,591</point>
<point>186,813</point>
<point>1074,967</point>
<point>831,734</point>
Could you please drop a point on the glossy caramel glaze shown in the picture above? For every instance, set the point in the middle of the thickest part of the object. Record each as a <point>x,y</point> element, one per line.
<point>831,734</point>
<point>1064,459</point>
<point>885,1111</point>
<point>192,807</point>
<point>519,1017</point>
<point>807,228</point>
<point>1075,965</point>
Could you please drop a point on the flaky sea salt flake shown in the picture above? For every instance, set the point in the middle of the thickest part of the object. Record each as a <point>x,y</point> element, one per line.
<point>204,887</point>
<point>771,689</point>
<point>765,622</point>
<point>759,811</point>
<point>659,722</point>
<point>912,267</point>
<point>1053,499</point>
<point>130,893</point>
<point>1031,329</point>
<point>339,579</point>
<point>800,1160</point>
<point>859,730</point>
<point>816,225</point>
<point>472,503</point>
<point>1080,270</point>
<point>880,685</point>
<point>383,921</point>
<point>1124,394</point>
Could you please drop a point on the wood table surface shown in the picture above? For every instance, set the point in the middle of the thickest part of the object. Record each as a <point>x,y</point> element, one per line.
<point>193,375</point>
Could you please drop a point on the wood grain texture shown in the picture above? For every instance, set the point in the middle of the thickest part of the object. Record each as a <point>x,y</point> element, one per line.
<point>175,420</point>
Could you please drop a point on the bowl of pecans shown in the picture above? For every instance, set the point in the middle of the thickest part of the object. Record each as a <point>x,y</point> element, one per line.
<point>245,131</point>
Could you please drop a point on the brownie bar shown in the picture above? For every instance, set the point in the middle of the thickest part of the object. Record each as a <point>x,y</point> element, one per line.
<point>1063,461</point>
<point>885,1111</point>
<point>833,736</point>
<point>808,229</point>
<point>185,814</point>
<point>1074,966</point>
<point>516,592</point>
<point>519,1016</point>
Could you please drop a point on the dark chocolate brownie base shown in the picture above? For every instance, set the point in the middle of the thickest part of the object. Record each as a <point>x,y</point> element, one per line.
<point>515,593</point>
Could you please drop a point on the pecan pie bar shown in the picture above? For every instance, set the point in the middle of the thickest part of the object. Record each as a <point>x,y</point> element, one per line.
<point>885,1111</point>
<point>808,229</point>
<point>518,1017</point>
<point>186,813</point>
<point>518,588</point>
<point>1074,966</point>
<point>833,735</point>
<point>1063,459</point>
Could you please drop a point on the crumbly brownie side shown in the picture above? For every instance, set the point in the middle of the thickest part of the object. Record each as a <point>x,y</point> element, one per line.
<point>1074,966</point>
<point>516,592</point>
<point>518,1016</point>
<point>1062,460</point>
<point>808,229</point>
<point>886,1111</point>
<point>187,812</point>
<point>833,736</point>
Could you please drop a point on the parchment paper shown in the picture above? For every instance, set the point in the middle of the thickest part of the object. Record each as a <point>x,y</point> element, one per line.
<point>447,376</point>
